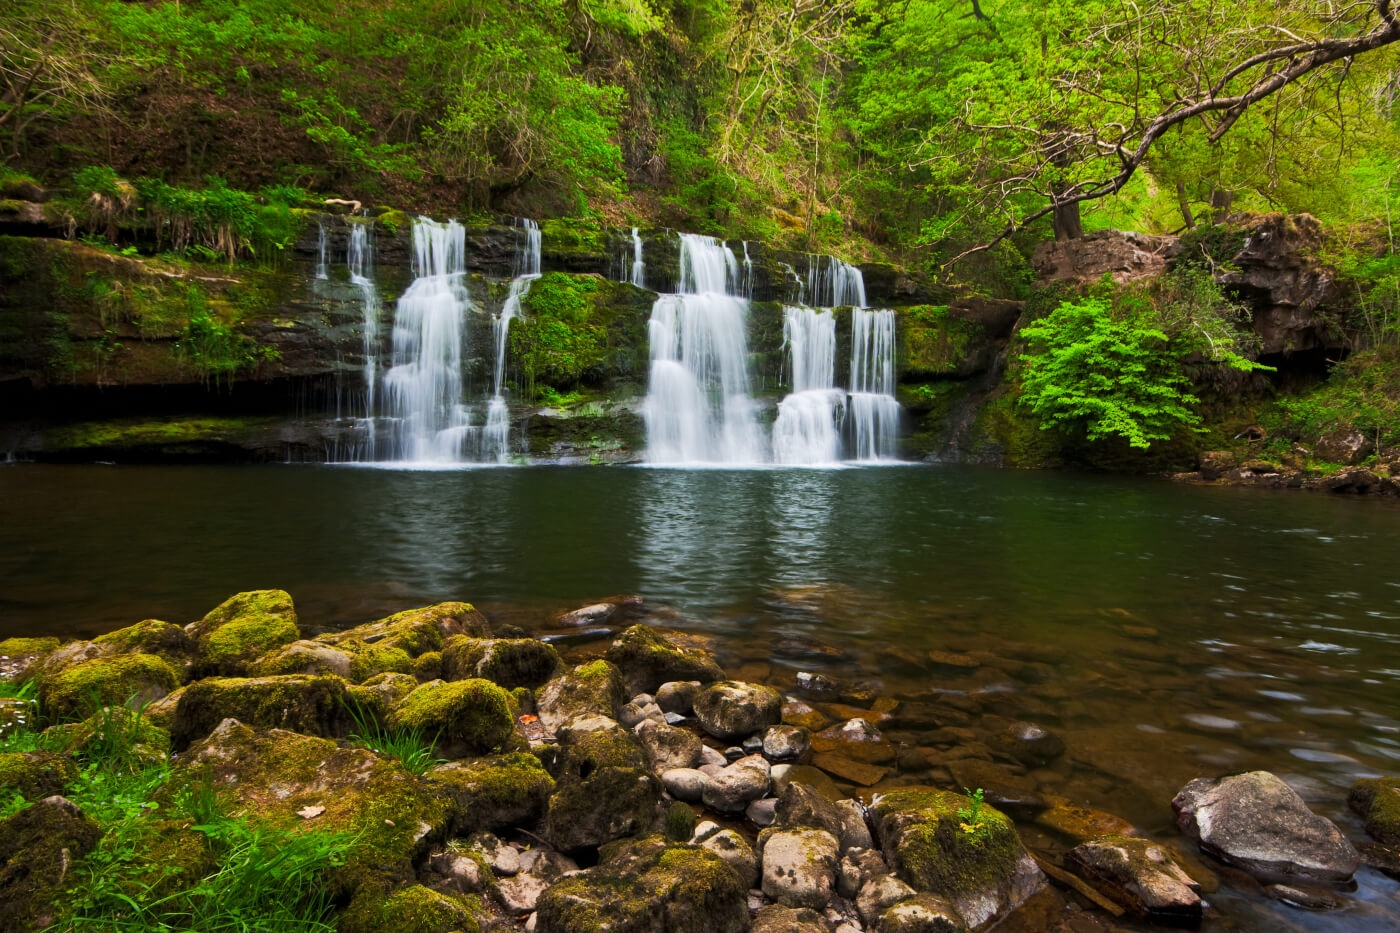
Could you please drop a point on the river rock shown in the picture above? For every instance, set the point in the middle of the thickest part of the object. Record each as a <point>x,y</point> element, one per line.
<point>731,788</point>
<point>922,913</point>
<point>786,743</point>
<point>495,792</point>
<point>503,859</point>
<point>732,709</point>
<point>762,812</point>
<point>797,713</point>
<point>684,783</point>
<point>801,806</point>
<point>879,893</point>
<point>520,894</point>
<point>984,873</point>
<point>647,660</point>
<point>817,686</point>
<point>1344,445</point>
<point>799,866</point>
<point>1257,822</point>
<point>595,688</point>
<point>303,657</point>
<point>1030,744</point>
<point>39,846</point>
<point>241,629</point>
<point>678,696</point>
<point>1377,802</point>
<point>640,707</point>
<point>775,918</point>
<point>647,887</point>
<point>667,747</point>
<point>314,705</point>
<point>815,778</point>
<point>1139,875</point>
<point>737,853</point>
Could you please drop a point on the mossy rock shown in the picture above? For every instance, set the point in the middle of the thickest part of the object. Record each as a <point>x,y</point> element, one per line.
<point>472,714</point>
<point>50,665</point>
<point>382,693</point>
<point>99,682</point>
<point>510,662</point>
<point>34,775</point>
<point>647,660</point>
<point>367,661</point>
<point>174,856</point>
<point>933,843</point>
<point>428,666</point>
<point>26,649</point>
<point>152,636</point>
<point>607,804</point>
<point>243,628</point>
<point>315,705</point>
<point>114,723</point>
<point>414,909</point>
<point>496,792</point>
<point>1377,802</point>
<point>597,743</point>
<point>416,631</point>
<point>38,848</point>
<point>592,689</point>
<point>302,657</point>
<point>648,887</point>
<point>391,815</point>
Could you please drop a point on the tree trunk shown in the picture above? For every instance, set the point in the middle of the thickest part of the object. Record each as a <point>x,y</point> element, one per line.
<point>1220,199</point>
<point>1185,204</point>
<point>1066,221</point>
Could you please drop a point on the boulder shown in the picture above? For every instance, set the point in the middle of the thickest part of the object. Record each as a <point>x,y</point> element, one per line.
<point>17,655</point>
<point>1140,876</point>
<point>600,806</point>
<point>786,743</point>
<point>35,775</point>
<point>380,694</point>
<point>416,631</point>
<point>302,657</point>
<point>878,894</point>
<point>729,789</point>
<point>684,783</point>
<point>165,640</point>
<point>105,681</point>
<point>732,710</point>
<point>799,866</point>
<point>311,705</point>
<point>241,629</point>
<point>1258,823</point>
<point>137,734</point>
<point>510,662</point>
<point>647,887</point>
<point>464,715</point>
<point>414,909</point>
<point>922,913</point>
<point>539,868</point>
<point>737,853</point>
<point>945,843</point>
<point>1377,802</point>
<point>647,660</point>
<point>39,846</point>
<point>775,918</point>
<point>495,792</point>
<point>1123,254</point>
<point>1277,269</point>
<point>280,776</point>
<point>678,696</point>
<point>595,688</point>
<point>667,747</point>
<point>800,805</point>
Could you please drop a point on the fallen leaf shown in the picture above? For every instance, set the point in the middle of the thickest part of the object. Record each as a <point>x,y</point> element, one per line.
<point>310,813</point>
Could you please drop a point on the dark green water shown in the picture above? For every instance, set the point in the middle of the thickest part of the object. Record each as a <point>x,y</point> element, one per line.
<point>1185,631</point>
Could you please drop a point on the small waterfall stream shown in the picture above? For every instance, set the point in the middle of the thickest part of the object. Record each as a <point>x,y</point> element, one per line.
<point>806,430</point>
<point>873,411</point>
<point>495,438</point>
<point>359,261</point>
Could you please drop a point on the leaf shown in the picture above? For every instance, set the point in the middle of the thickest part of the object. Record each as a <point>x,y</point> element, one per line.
<point>311,812</point>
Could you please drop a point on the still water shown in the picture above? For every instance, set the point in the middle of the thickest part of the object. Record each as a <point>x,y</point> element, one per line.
<point>1175,631</point>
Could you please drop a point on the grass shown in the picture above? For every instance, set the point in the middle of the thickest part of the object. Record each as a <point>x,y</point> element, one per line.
<point>413,748</point>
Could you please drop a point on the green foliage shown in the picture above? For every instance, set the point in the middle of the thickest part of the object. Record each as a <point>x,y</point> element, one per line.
<point>98,179</point>
<point>215,350</point>
<point>1362,394</point>
<point>1103,376</point>
<point>560,342</point>
<point>413,747</point>
<point>970,818</point>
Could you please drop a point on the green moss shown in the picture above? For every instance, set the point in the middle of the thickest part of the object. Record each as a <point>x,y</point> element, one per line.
<point>33,775</point>
<point>38,846</point>
<point>152,636</point>
<point>301,657</point>
<point>368,661</point>
<point>510,662</point>
<point>243,628</point>
<point>428,665</point>
<point>928,846</point>
<point>496,792</point>
<point>475,713</point>
<point>1377,802</point>
<point>414,909</point>
<point>602,748</point>
<point>647,660</point>
<point>149,739</point>
<point>106,682</point>
<point>415,631</point>
<point>394,221</point>
<point>169,436</point>
<point>27,647</point>
<point>680,821</point>
<point>304,703</point>
<point>580,329</point>
<point>595,687</point>
<point>382,692</point>
<point>607,804</point>
<point>932,342</point>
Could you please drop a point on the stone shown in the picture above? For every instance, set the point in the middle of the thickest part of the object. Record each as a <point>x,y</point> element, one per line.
<point>647,660</point>
<point>1345,445</point>
<point>786,743</point>
<point>922,913</point>
<point>667,747</point>
<point>737,853</point>
<point>415,631</point>
<point>595,688</point>
<point>1013,794</point>
<point>1125,255</point>
<point>302,657</point>
<point>39,846</point>
<point>466,716</point>
<point>801,806</point>
<point>1140,876</point>
<point>74,691</point>
<point>1258,823</point>
<point>35,775</point>
<point>939,841</point>
<point>857,772</point>
<point>817,686</point>
<point>775,918</point>
<point>752,745</point>
<point>600,612</point>
<point>713,756</point>
<point>313,705</point>
<point>520,894</point>
<point>1377,802</point>
<point>460,872</point>
<point>606,804</point>
<point>782,775</point>
<point>732,787</point>
<point>1080,824</point>
<point>797,713</point>
<point>507,662</point>
<point>414,909</point>
<point>495,792</point>
<point>1304,897</point>
<point>502,859</point>
<point>678,696</point>
<point>241,629</point>
<point>762,812</point>
<point>857,739</point>
<point>684,783</point>
<point>165,640</point>
<point>17,655</point>
<point>799,866</point>
<point>877,894</point>
<point>1030,744</point>
<point>732,709</point>
<point>645,886</point>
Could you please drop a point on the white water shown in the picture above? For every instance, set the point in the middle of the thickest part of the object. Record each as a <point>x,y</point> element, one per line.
<point>872,411</point>
<point>806,431</point>
<point>359,260</point>
<point>321,251</point>
<point>495,436</point>
<point>638,275</point>
<point>832,283</point>
<point>698,408</point>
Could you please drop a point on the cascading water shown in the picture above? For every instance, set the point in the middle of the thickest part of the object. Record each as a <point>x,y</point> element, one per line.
<point>698,408</point>
<point>806,429</point>
<point>747,289</point>
<point>495,440</point>
<point>872,411</point>
<point>832,283</point>
<point>321,248</point>
<point>359,261</point>
<point>638,274</point>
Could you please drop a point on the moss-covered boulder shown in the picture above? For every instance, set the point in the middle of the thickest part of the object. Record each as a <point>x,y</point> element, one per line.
<point>242,629</point>
<point>593,742</point>
<point>416,631</point>
<point>34,775</point>
<point>78,690</point>
<point>647,887</point>
<point>510,662</point>
<point>592,689</point>
<point>38,848</point>
<point>970,855</point>
<point>496,792</point>
<point>165,640</point>
<point>414,909</point>
<point>308,704</point>
<point>312,784</point>
<point>1377,802</point>
<point>647,660</point>
<point>732,709</point>
<point>470,716</point>
<point>380,694</point>
<point>111,725</point>
<point>18,654</point>
<point>368,661</point>
<point>302,657</point>
<point>47,666</point>
<point>603,805</point>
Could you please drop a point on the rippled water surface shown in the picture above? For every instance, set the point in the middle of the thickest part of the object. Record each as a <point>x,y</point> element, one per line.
<point>1165,632</point>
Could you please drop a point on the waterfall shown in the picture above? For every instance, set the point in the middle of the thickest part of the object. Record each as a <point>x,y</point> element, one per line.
<point>425,384</point>
<point>495,436</point>
<point>698,407</point>
<point>806,429</point>
<point>639,268</point>
<point>321,248</point>
<point>359,260</point>
<point>832,283</point>
<point>873,413</point>
<point>747,289</point>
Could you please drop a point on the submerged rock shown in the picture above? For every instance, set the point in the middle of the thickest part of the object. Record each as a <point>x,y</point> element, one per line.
<point>1030,744</point>
<point>39,846</point>
<point>647,887</point>
<point>939,841</point>
<point>1258,823</point>
<point>732,709</point>
<point>1140,876</point>
<point>647,660</point>
<point>1377,802</point>
<point>312,705</point>
<point>241,629</point>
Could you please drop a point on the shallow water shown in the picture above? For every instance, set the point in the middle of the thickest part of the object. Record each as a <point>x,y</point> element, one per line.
<point>1174,631</point>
